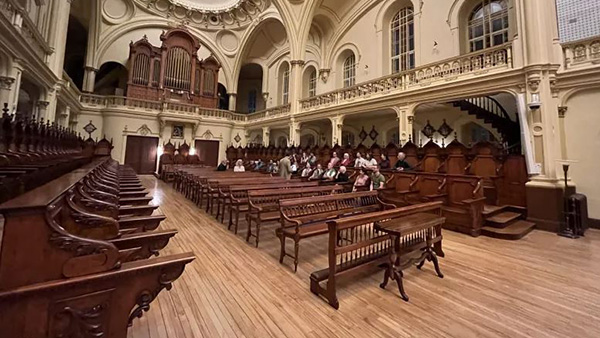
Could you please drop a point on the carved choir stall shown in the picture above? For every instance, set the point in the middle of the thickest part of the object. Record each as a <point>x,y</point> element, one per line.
<point>172,71</point>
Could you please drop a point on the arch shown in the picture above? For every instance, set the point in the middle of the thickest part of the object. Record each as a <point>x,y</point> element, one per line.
<point>110,77</point>
<point>572,92</point>
<point>250,88</point>
<point>140,24</point>
<point>458,17</point>
<point>384,19</point>
<point>223,97</point>
<point>309,81</point>
<point>263,19</point>
<point>342,55</point>
<point>283,76</point>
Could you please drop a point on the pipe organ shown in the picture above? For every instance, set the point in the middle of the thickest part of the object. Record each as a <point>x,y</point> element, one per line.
<point>172,72</point>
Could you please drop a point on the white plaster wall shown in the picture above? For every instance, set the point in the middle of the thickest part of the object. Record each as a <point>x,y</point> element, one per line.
<point>582,129</point>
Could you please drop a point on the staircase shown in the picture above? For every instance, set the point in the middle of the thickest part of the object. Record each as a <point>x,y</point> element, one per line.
<point>490,111</point>
<point>505,222</point>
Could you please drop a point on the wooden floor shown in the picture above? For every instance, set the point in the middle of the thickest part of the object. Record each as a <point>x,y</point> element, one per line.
<point>540,286</point>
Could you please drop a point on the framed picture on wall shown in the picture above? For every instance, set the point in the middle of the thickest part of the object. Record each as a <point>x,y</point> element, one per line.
<point>177,131</point>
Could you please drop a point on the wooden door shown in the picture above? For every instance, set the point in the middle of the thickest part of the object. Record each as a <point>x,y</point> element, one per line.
<point>140,154</point>
<point>208,151</point>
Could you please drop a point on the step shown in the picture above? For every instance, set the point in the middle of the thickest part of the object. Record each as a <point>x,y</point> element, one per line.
<point>503,218</point>
<point>489,209</point>
<point>514,231</point>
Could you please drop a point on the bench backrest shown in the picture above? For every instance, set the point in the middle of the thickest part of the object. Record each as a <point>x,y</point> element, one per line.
<point>270,198</point>
<point>331,206</point>
<point>241,191</point>
<point>354,242</point>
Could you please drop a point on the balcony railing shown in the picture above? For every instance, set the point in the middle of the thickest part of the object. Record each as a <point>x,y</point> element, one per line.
<point>91,100</point>
<point>470,64</point>
<point>19,18</point>
<point>270,112</point>
<point>582,52</point>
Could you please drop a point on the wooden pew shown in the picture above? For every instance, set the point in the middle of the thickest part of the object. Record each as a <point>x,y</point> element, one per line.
<point>66,281</point>
<point>355,246</point>
<point>235,197</point>
<point>307,217</point>
<point>264,204</point>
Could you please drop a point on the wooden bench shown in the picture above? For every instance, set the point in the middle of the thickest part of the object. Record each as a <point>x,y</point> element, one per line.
<point>355,246</point>
<point>235,197</point>
<point>307,217</point>
<point>76,268</point>
<point>264,204</point>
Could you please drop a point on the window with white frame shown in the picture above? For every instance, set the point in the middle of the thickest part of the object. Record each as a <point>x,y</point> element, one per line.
<point>488,25</point>
<point>312,83</point>
<point>350,71</point>
<point>286,84</point>
<point>403,40</point>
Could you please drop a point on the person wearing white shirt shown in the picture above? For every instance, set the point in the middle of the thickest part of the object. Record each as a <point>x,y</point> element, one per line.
<point>239,167</point>
<point>360,161</point>
<point>370,162</point>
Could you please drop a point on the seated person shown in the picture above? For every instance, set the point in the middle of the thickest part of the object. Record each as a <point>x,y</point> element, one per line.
<point>401,164</point>
<point>316,175</point>
<point>276,168</point>
<point>330,173</point>
<point>312,159</point>
<point>361,179</point>
<point>239,166</point>
<point>270,166</point>
<point>258,164</point>
<point>346,161</point>
<point>222,166</point>
<point>334,160</point>
<point>377,179</point>
<point>360,161</point>
<point>306,171</point>
<point>342,175</point>
<point>384,163</point>
<point>294,167</point>
<point>304,158</point>
<point>370,162</point>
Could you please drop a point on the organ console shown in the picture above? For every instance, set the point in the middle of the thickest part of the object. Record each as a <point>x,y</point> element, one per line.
<point>172,71</point>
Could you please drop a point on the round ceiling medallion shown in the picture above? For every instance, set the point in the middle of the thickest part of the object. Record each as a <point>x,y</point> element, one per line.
<point>117,11</point>
<point>228,41</point>
<point>162,5</point>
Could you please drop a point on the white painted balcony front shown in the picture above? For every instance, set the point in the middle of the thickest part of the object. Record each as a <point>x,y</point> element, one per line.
<point>458,68</point>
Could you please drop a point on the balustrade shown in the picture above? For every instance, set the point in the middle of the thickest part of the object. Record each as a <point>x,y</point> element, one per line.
<point>582,52</point>
<point>450,69</point>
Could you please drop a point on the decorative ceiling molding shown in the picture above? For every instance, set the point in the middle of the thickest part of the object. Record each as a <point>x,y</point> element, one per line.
<point>190,12</point>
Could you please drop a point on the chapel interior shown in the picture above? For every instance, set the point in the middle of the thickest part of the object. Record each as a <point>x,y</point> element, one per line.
<point>299,168</point>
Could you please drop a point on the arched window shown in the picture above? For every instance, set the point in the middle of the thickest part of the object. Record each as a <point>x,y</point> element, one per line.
<point>403,40</point>
<point>312,83</point>
<point>286,84</point>
<point>488,25</point>
<point>252,101</point>
<point>349,71</point>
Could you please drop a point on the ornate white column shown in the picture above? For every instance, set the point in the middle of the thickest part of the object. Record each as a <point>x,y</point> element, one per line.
<point>17,71</point>
<point>6,84</point>
<point>337,126</point>
<point>295,85</point>
<point>65,114</point>
<point>294,132</point>
<point>57,37</point>
<point>405,115</point>
<point>265,135</point>
<point>42,108</point>
<point>232,101</point>
<point>89,79</point>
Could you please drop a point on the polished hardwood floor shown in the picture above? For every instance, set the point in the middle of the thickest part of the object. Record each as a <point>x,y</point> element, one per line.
<point>540,286</point>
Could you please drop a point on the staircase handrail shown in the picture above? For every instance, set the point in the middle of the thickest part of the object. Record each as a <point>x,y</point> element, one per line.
<point>495,107</point>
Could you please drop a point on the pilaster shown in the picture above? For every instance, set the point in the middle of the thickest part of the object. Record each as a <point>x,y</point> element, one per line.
<point>295,85</point>
<point>337,126</point>
<point>232,101</point>
<point>89,79</point>
<point>265,135</point>
<point>6,84</point>
<point>294,132</point>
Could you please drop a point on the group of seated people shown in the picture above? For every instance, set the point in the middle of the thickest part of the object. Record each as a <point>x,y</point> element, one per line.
<point>336,171</point>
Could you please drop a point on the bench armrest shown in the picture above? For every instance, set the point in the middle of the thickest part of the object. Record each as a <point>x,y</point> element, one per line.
<point>473,200</point>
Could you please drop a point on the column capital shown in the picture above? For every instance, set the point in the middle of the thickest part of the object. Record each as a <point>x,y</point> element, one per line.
<point>266,129</point>
<point>91,69</point>
<point>562,111</point>
<point>297,62</point>
<point>42,104</point>
<point>324,74</point>
<point>232,94</point>
<point>6,82</point>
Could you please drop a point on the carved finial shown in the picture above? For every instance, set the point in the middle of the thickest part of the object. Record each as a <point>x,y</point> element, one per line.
<point>443,143</point>
<point>455,136</point>
<point>5,109</point>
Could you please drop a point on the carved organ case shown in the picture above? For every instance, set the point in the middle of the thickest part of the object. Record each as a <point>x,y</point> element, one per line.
<point>173,71</point>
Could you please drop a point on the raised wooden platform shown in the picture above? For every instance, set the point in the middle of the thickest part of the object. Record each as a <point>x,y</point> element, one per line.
<point>541,286</point>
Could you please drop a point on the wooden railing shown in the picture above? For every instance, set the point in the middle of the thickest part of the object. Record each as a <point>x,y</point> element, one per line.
<point>19,18</point>
<point>494,58</point>
<point>582,52</point>
<point>270,112</point>
<point>92,100</point>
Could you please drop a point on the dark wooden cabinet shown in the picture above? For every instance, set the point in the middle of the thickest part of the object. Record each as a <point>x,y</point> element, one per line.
<point>140,154</point>
<point>208,151</point>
